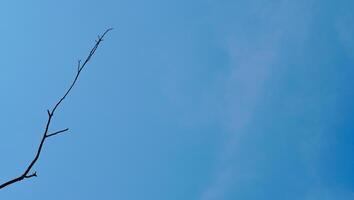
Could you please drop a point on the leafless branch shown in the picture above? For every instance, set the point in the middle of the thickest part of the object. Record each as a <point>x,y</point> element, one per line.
<point>27,172</point>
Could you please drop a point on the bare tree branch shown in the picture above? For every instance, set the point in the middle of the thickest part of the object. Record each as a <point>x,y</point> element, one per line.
<point>26,174</point>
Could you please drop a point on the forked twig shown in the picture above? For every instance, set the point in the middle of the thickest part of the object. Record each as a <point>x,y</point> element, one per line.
<point>27,173</point>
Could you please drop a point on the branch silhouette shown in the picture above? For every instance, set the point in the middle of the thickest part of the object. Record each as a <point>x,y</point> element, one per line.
<point>80,66</point>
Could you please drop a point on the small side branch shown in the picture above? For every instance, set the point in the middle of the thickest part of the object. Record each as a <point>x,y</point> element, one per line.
<point>26,174</point>
<point>55,133</point>
<point>32,175</point>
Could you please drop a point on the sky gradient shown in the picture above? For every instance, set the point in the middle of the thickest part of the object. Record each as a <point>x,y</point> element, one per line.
<point>184,100</point>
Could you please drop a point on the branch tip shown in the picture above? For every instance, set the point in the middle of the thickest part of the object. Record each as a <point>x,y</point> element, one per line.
<point>32,175</point>
<point>78,65</point>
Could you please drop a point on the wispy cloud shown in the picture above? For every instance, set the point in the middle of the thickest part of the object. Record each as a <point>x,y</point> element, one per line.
<point>243,91</point>
<point>254,45</point>
<point>281,101</point>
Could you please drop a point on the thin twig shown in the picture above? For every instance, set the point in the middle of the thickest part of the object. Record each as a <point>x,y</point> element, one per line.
<point>26,174</point>
<point>55,133</point>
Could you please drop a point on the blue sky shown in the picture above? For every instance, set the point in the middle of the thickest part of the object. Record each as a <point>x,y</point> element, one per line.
<point>184,100</point>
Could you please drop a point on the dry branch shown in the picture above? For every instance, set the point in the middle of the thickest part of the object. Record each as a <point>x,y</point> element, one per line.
<point>27,172</point>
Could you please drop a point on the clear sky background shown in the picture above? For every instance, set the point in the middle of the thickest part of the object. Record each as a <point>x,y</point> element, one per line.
<point>184,100</point>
